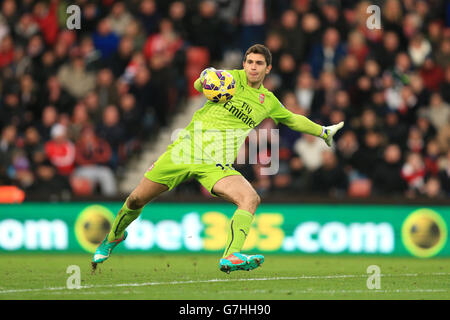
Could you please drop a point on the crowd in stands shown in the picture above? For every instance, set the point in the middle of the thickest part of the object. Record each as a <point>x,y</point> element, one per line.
<point>76,104</point>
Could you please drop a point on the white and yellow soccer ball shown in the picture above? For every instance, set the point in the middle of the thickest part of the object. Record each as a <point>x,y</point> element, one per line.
<point>218,85</point>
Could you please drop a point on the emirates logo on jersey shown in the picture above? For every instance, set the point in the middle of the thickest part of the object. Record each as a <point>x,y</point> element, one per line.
<point>261,98</point>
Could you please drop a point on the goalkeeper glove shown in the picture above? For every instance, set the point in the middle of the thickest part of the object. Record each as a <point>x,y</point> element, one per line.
<point>198,84</point>
<point>204,72</point>
<point>328,132</point>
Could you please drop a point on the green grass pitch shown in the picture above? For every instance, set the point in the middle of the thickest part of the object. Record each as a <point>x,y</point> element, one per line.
<point>197,277</point>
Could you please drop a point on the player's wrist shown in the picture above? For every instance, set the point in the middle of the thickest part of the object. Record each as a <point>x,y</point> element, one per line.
<point>325,132</point>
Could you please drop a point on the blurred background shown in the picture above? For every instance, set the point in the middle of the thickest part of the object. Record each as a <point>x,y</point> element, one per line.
<point>83,113</point>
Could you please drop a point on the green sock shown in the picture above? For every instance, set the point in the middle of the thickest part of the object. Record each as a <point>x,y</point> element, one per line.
<point>238,231</point>
<point>122,221</point>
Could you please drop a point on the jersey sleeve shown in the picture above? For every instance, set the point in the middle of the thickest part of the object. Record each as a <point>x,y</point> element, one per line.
<point>237,76</point>
<point>278,112</point>
<point>297,122</point>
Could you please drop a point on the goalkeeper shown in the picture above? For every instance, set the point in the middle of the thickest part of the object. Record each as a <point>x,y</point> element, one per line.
<point>211,165</point>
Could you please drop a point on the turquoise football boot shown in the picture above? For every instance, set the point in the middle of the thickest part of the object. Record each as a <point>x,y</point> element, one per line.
<point>239,261</point>
<point>105,248</point>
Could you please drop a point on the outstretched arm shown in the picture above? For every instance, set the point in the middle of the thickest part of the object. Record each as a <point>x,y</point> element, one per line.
<point>302,124</point>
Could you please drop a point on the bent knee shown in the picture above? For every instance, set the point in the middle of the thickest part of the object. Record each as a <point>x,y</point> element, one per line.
<point>135,202</point>
<point>250,201</point>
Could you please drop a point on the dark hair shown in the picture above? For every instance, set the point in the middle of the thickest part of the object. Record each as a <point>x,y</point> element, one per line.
<point>261,49</point>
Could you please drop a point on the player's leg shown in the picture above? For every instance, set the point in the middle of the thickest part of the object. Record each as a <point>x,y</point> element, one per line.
<point>145,192</point>
<point>163,175</point>
<point>236,189</point>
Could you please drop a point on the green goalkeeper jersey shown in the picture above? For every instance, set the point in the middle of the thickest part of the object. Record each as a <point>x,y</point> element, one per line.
<point>218,130</point>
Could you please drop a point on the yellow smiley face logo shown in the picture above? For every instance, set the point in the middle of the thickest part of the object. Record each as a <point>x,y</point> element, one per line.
<point>92,225</point>
<point>424,233</point>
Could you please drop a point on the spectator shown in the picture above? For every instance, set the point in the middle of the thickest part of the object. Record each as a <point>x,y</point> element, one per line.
<point>288,70</point>
<point>438,112</point>
<point>387,173</point>
<point>91,56</point>
<point>444,174</point>
<point>395,131</point>
<point>415,141</point>
<point>119,18</point>
<point>442,56</point>
<point>326,56</point>
<point>47,18</point>
<point>358,47</point>
<point>253,17</point>
<point>386,53</point>
<point>32,142</point>
<point>445,86</point>
<point>166,41</point>
<point>347,146</point>
<point>294,39</point>
<point>92,156</point>
<point>49,184</point>
<point>432,157</point>
<point>310,150</point>
<point>6,51</point>
<point>112,130</point>
<point>25,28</point>
<point>60,151</point>
<point>93,108</point>
<point>105,39</point>
<point>80,120</point>
<point>306,94</point>
<point>300,176</point>
<point>433,188</point>
<point>12,111</point>
<point>105,88</point>
<point>131,115</point>
<point>311,26</point>
<point>179,19</point>
<point>425,127</point>
<point>75,78</point>
<point>149,15</point>
<point>413,173</point>
<point>419,48</point>
<point>7,147</point>
<point>56,95</point>
<point>120,59</point>
<point>432,74</point>
<point>330,178</point>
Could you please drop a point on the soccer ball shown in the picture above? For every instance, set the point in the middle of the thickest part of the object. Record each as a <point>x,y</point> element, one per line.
<point>218,85</point>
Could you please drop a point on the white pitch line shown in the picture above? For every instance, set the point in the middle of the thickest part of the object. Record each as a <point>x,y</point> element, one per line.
<point>341,291</point>
<point>144,284</point>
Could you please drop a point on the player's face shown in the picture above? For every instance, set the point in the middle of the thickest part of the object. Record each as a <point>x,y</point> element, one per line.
<point>256,68</point>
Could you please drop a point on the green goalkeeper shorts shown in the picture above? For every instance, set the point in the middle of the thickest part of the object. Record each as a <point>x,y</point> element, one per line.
<point>166,171</point>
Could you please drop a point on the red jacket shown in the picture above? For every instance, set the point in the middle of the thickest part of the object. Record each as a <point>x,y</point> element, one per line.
<point>61,155</point>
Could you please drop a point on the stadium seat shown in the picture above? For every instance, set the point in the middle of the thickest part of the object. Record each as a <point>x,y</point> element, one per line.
<point>81,186</point>
<point>11,194</point>
<point>360,188</point>
<point>197,60</point>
